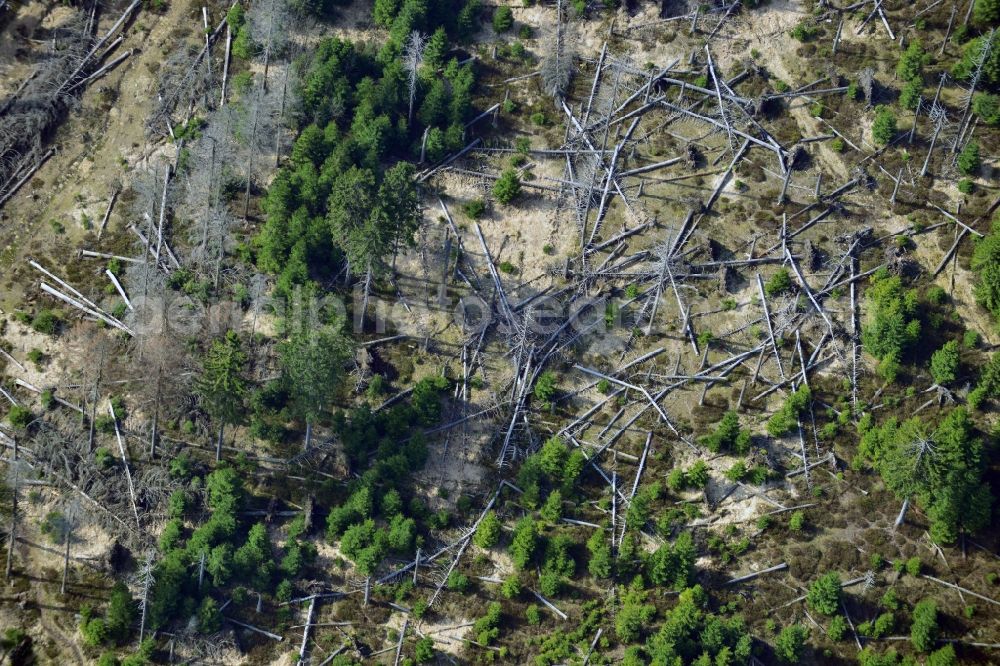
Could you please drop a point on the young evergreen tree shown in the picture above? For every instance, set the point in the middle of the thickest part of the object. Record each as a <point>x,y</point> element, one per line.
<point>884,126</point>
<point>488,532</point>
<point>945,362</point>
<point>312,364</point>
<point>524,543</point>
<point>790,643</point>
<point>824,594</point>
<point>968,159</point>
<point>924,630</point>
<point>222,387</point>
<point>600,561</point>
<point>508,187</point>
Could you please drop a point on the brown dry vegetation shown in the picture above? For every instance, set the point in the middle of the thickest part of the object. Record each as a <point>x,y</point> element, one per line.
<point>103,142</point>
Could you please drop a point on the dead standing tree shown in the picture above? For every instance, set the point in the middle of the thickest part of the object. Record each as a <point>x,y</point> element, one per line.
<point>559,58</point>
<point>260,112</point>
<point>71,515</point>
<point>16,470</point>
<point>213,168</point>
<point>29,116</point>
<point>413,58</point>
<point>981,59</point>
<point>600,139</point>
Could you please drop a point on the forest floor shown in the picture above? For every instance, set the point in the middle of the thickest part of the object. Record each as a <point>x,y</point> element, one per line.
<point>102,142</point>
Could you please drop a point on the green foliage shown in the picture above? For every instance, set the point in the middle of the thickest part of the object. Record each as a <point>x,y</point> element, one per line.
<point>401,534</point>
<point>385,11</point>
<point>46,321</point>
<point>837,629</point>
<point>507,187</point>
<point>890,599</point>
<point>545,386</point>
<point>673,564</point>
<point>221,385</point>
<point>423,650</point>
<point>457,581</point>
<point>435,49</point>
<point>219,564</point>
<point>475,209</point>
<point>369,219</point>
<point>697,474</point>
<point>552,510</point>
<point>884,126</point>
<point>911,62</point>
<point>553,466</point>
<point>171,535</point>
<point>254,560</point>
<point>677,480</point>
<point>881,626</point>
<point>968,159</point>
<point>690,634</point>
<point>924,629</point>
<point>36,356</point>
<point>778,283</point>
<point>333,199</point>
<point>600,563</point>
<point>868,657</point>
<point>987,107</point>
<point>913,566</point>
<point>989,383</point>
<point>986,13</point>
<point>487,628</point>
<point>365,544</point>
<point>533,615</point>
<point>488,533</point>
<point>103,457</point>
<point>970,339</point>
<point>824,594</point>
<point>55,526</point>
<point>20,416</point>
<point>944,656</point>
<point>737,471</point>
<point>797,521</point>
<point>525,543</point>
<point>503,18</point>
<point>640,509</point>
<point>790,643</point>
<point>633,615</point>
<point>986,264</point>
<point>312,363</point>
<point>910,93</point>
<point>944,363</point>
<point>728,436</point>
<point>510,588</point>
<point>966,66</point>
<point>143,655</point>
<point>891,326</point>
<point>209,616</point>
<point>805,31</point>
<point>786,418</point>
<point>13,637</point>
<point>48,399</point>
<point>107,659</point>
<point>945,476</point>
<point>95,632</point>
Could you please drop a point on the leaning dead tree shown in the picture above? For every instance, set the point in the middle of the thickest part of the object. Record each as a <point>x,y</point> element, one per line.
<point>184,78</point>
<point>28,117</point>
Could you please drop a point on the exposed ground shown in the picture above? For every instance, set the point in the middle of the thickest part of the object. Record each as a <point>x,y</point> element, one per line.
<point>105,144</point>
